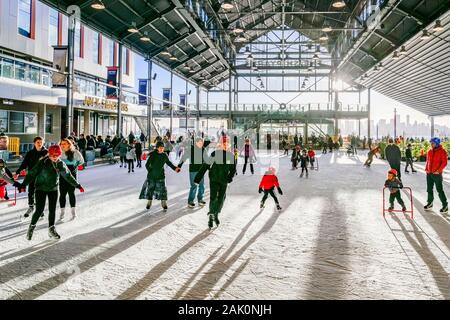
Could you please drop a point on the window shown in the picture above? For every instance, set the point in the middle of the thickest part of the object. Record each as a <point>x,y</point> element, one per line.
<point>16,122</point>
<point>24,18</point>
<point>19,71</point>
<point>30,122</point>
<point>112,52</point>
<point>3,121</point>
<point>53,27</point>
<point>95,44</point>
<point>7,68</point>
<point>49,123</point>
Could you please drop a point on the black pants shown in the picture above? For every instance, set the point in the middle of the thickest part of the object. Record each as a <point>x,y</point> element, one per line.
<point>130,165</point>
<point>294,163</point>
<point>31,192</point>
<point>368,161</point>
<point>83,153</point>
<point>396,166</point>
<point>324,150</point>
<point>304,168</point>
<point>311,161</point>
<point>266,194</point>
<point>286,152</point>
<point>139,160</point>
<point>396,195</point>
<point>217,196</point>
<point>122,160</point>
<point>245,165</point>
<point>409,162</point>
<point>436,179</point>
<point>40,205</point>
<point>66,189</point>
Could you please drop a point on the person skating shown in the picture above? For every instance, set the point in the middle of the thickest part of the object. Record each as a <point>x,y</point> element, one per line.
<point>196,155</point>
<point>122,147</point>
<point>72,158</point>
<point>393,156</point>
<point>437,159</point>
<point>249,156</point>
<point>6,176</point>
<point>46,175</point>
<point>138,148</point>
<point>370,156</point>
<point>394,184</point>
<point>267,185</point>
<point>155,185</point>
<point>30,160</point>
<point>221,168</point>
<point>409,159</point>
<point>131,157</point>
<point>295,157</point>
<point>304,160</point>
<point>311,156</point>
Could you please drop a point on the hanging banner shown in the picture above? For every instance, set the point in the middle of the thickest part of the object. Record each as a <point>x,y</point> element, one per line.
<point>182,102</point>
<point>166,96</point>
<point>111,79</point>
<point>142,90</point>
<point>59,63</point>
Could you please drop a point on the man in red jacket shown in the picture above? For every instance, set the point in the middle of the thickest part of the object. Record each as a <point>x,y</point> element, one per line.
<point>436,163</point>
<point>268,183</point>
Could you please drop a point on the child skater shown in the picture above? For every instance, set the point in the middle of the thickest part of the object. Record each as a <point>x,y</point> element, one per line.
<point>6,177</point>
<point>268,183</point>
<point>295,157</point>
<point>304,160</point>
<point>131,157</point>
<point>312,156</point>
<point>394,185</point>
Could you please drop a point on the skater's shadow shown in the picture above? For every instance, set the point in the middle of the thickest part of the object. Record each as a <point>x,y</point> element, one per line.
<point>203,287</point>
<point>419,244</point>
<point>158,270</point>
<point>72,247</point>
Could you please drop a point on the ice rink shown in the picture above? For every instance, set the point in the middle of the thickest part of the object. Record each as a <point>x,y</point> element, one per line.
<point>330,240</point>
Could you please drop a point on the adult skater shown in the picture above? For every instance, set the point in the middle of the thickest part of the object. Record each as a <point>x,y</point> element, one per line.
<point>267,185</point>
<point>196,154</point>
<point>436,163</point>
<point>31,159</point>
<point>155,185</point>
<point>295,157</point>
<point>122,147</point>
<point>221,172</point>
<point>131,157</point>
<point>304,160</point>
<point>249,156</point>
<point>6,177</point>
<point>72,158</point>
<point>138,148</point>
<point>46,175</point>
<point>370,156</point>
<point>409,159</point>
<point>393,156</point>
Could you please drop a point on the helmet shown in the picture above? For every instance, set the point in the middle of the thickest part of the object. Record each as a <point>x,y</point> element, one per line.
<point>54,150</point>
<point>436,141</point>
<point>393,171</point>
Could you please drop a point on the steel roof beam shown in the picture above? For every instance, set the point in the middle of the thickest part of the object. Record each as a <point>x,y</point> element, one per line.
<point>190,57</point>
<point>415,16</point>
<point>171,43</point>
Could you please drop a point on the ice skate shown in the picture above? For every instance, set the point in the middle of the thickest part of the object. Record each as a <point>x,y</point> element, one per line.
<point>444,209</point>
<point>74,214</point>
<point>53,234</point>
<point>301,175</point>
<point>428,206</point>
<point>191,205</point>
<point>391,208</point>
<point>261,206</point>
<point>164,205</point>
<point>201,203</point>
<point>404,209</point>
<point>61,215</point>
<point>210,220</point>
<point>278,207</point>
<point>149,204</point>
<point>30,231</point>
<point>30,210</point>
<point>216,219</point>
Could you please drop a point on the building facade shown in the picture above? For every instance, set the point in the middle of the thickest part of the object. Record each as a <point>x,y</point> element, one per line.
<point>29,105</point>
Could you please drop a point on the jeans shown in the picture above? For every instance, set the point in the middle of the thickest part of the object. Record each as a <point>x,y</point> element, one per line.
<point>193,190</point>
<point>436,179</point>
<point>66,189</point>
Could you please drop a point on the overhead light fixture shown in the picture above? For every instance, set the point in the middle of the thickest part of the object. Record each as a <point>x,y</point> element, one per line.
<point>192,70</point>
<point>247,51</point>
<point>241,38</point>
<point>375,69</point>
<point>395,56</point>
<point>338,4</point>
<point>165,53</point>
<point>145,37</point>
<point>327,28</point>
<point>98,5</point>
<point>173,58</point>
<point>438,26</point>
<point>323,37</point>
<point>186,67</point>
<point>133,28</point>
<point>380,66</point>
<point>237,28</point>
<point>402,51</point>
<point>425,35</point>
<point>227,5</point>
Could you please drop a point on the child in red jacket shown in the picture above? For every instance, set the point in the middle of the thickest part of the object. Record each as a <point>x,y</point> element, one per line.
<point>268,183</point>
<point>312,156</point>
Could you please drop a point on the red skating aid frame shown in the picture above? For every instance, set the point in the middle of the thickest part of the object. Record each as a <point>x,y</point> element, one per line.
<point>407,211</point>
<point>316,162</point>
<point>14,201</point>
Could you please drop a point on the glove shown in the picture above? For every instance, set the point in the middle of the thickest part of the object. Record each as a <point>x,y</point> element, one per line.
<point>279,191</point>
<point>80,188</point>
<point>260,190</point>
<point>19,186</point>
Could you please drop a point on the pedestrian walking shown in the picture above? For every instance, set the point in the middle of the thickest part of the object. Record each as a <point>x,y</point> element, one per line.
<point>393,156</point>
<point>437,159</point>
<point>409,159</point>
<point>249,155</point>
<point>131,157</point>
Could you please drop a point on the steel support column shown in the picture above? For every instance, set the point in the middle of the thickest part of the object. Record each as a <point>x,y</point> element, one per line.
<point>230,101</point>
<point>197,103</point>
<point>368,112</point>
<point>432,126</point>
<point>119,93</point>
<point>149,101</point>
<point>171,106</point>
<point>70,68</point>
<point>186,107</point>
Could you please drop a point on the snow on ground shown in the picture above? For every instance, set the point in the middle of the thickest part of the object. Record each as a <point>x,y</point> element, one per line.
<point>330,241</point>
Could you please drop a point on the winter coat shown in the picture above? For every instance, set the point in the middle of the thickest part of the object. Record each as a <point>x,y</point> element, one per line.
<point>436,160</point>
<point>393,155</point>
<point>155,165</point>
<point>408,153</point>
<point>6,176</point>
<point>46,175</point>
<point>269,181</point>
<point>311,153</point>
<point>295,155</point>
<point>122,148</point>
<point>82,143</point>
<point>131,154</point>
<point>304,160</point>
<point>74,163</point>
<point>248,151</point>
<point>196,158</point>
<point>31,159</point>
<point>393,185</point>
<point>221,166</point>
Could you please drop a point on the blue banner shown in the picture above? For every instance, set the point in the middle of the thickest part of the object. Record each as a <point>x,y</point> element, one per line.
<point>182,101</point>
<point>166,96</point>
<point>143,91</point>
<point>111,79</point>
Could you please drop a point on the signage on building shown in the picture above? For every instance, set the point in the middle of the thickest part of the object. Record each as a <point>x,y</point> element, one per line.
<point>182,102</point>
<point>111,79</point>
<point>100,103</point>
<point>143,91</point>
<point>166,97</point>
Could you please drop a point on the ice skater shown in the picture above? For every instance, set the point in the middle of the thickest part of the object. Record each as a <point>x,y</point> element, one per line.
<point>122,147</point>
<point>409,159</point>
<point>155,185</point>
<point>221,168</point>
<point>373,152</point>
<point>295,157</point>
<point>72,158</point>
<point>267,185</point>
<point>46,175</point>
<point>131,157</point>
<point>249,155</point>
<point>312,156</point>
<point>394,184</point>
<point>6,177</point>
<point>304,160</point>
